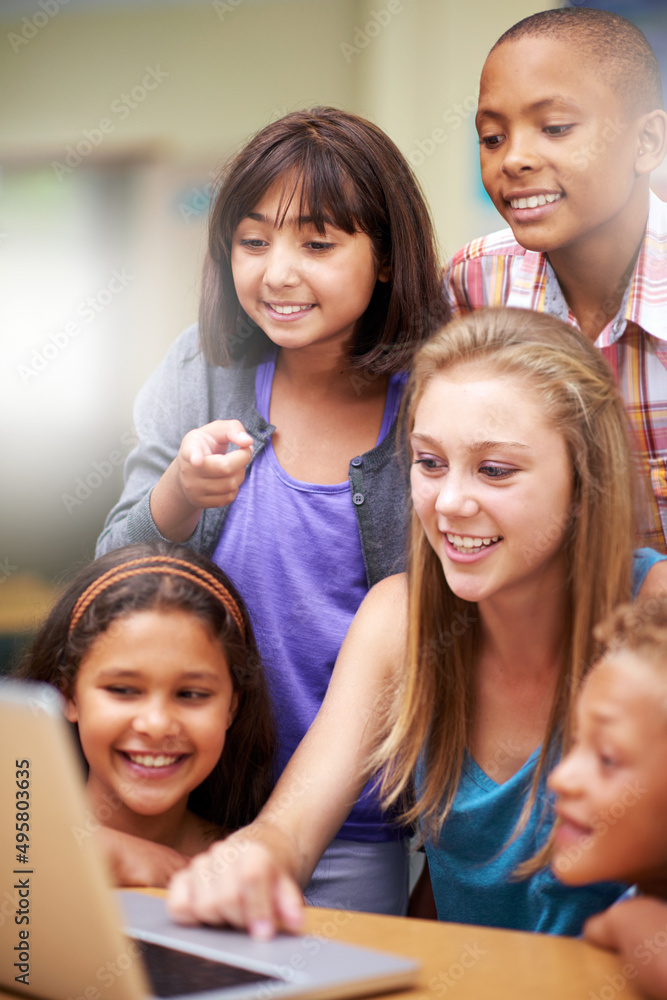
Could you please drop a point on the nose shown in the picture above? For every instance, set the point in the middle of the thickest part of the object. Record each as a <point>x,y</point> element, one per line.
<point>565,779</point>
<point>281,266</point>
<point>456,497</point>
<point>520,154</point>
<point>155,719</point>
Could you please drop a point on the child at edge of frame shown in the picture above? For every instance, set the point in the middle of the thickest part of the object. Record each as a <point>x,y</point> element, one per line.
<point>571,125</point>
<point>611,793</point>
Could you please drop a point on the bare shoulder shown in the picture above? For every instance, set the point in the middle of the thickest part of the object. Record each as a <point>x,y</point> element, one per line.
<point>378,633</point>
<point>393,588</point>
<point>386,604</point>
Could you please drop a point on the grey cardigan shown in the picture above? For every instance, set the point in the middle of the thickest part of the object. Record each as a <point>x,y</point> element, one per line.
<point>185,392</point>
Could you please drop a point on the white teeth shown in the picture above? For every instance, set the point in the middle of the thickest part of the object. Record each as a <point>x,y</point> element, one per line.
<point>288,310</point>
<point>150,760</point>
<point>470,541</point>
<point>534,201</point>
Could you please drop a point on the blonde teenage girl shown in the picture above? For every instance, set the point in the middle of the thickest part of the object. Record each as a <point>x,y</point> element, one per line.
<point>459,676</point>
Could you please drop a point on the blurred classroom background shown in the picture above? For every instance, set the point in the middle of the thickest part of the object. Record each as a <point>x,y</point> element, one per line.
<point>114,120</point>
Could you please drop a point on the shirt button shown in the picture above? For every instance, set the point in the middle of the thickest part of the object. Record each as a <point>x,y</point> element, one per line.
<point>356,462</point>
<point>617,326</point>
<point>358,499</point>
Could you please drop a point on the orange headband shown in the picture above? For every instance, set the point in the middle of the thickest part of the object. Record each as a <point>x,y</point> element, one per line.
<point>169,566</point>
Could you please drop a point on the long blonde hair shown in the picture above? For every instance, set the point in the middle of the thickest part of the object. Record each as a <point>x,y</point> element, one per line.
<point>431,713</point>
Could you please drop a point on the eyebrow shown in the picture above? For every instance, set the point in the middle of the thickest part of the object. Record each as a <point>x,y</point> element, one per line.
<point>122,673</point>
<point>474,446</point>
<point>489,445</point>
<point>303,220</point>
<point>114,673</point>
<point>604,717</point>
<point>546,102</point>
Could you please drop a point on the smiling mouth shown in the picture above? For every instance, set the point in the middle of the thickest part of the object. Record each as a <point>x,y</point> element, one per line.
<point>289,310</point>
<point>152,760</point>
<point>535,200</point>
<point>570,829</point>
<point>470,544</point>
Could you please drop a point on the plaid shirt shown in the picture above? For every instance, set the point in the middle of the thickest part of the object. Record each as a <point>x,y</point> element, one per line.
<point>496,271</point>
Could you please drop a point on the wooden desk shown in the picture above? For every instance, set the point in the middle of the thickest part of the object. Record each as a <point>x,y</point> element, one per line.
<point>478,963</point>
<point>481,963</point>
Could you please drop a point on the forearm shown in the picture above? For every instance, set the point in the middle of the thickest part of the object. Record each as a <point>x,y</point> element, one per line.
<point>131,518</point>
<point>251,879</point>
<point>128,522</point>
<point>332,763</point>
<point>254,877</point>
<point>173,514</point>
<point>311,801</point>
<point>134,861</point>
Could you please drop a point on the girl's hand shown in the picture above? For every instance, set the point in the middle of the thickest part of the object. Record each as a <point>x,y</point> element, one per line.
<point>243,881</point>
<point>203,474</point>
<point>600,930</point>
<point>135,861</point>
<point>636,929</point>
<point>210,476</point>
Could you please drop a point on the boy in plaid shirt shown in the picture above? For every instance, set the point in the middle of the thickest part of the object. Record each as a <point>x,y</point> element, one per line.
<point>571,126</point>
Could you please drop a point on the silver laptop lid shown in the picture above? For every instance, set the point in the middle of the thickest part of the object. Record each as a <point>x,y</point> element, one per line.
<point>59,921</point>
<point>59,925</point>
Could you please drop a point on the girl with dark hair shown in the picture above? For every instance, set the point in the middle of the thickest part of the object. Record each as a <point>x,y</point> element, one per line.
<point>153,650</point>
<point>267,436</point>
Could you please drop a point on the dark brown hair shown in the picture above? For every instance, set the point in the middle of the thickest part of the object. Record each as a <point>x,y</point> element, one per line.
<point>234,792</point>
<point>620,52</point>
<point>341,168</point>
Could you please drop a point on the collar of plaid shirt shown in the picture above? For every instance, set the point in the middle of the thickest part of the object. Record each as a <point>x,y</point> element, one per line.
<point>535,286</point>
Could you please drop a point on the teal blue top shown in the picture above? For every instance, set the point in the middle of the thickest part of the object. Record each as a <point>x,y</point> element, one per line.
<point>642,562</point>
<point>472,869</point>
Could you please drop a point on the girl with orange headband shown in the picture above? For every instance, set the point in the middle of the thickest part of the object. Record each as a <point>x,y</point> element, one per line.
<point>155,656</point>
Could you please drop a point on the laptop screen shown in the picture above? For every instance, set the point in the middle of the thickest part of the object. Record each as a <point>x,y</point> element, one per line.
<point>175,973</point>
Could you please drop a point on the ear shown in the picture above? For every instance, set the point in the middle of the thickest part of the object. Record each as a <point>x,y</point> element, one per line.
<point>652,142</point>
<point>234,704</point>
<point>384,274</point>
<point>71,711</point>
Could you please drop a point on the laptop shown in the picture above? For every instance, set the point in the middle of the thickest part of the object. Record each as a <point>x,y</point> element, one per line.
<point>66,935</point>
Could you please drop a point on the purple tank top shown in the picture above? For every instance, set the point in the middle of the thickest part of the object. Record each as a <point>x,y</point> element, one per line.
<point>293,551</point>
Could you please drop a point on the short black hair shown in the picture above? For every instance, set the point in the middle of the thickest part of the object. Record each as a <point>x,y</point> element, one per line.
<point>622,53</point>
